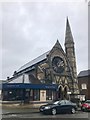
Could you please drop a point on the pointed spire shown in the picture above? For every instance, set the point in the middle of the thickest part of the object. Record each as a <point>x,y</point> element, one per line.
<point>68,36</point>
<point>68,22</point>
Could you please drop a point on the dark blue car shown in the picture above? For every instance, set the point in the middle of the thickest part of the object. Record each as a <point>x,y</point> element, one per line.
<point>63,106</point>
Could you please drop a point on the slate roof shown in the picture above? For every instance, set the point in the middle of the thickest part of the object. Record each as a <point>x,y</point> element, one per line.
<point>84,73</point>
<point>34,61</point>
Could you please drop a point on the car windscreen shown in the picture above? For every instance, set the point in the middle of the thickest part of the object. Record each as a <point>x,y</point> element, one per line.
<point>55,103</point>
<point>88,101</point>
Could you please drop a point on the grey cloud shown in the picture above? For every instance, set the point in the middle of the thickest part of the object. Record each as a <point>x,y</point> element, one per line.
<point>30,29</point>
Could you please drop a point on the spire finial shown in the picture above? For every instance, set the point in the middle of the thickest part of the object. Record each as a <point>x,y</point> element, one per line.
<point>67,21</point>
<point>67,17</point>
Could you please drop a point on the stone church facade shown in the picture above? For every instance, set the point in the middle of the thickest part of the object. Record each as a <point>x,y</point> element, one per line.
<point>55,67</point>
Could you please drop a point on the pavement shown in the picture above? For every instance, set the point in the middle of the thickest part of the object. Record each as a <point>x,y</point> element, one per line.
<point>19,109</point>
<point>16,107</point>
<point>30,111</point>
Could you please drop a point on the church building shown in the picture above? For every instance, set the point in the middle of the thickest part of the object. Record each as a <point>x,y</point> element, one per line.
<point>51,76</point>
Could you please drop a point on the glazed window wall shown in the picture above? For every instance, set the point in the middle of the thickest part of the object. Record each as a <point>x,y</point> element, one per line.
<point>32,95</point>
<point>48,94</point>
<point>12,95</point>
<point>36,94</point>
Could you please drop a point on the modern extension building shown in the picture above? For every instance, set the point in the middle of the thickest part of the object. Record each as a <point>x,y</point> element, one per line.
<point>84,84</point>
<point>50,76</point>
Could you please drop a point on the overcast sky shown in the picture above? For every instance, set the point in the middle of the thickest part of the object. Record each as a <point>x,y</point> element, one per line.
<point>30,29</point>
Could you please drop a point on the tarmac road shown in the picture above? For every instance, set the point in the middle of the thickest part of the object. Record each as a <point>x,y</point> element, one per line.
<point>27,113</point>
<point>25,116</point>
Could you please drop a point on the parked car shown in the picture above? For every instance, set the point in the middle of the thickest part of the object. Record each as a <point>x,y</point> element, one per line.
<point>85,106</point>
<point>63,106</point>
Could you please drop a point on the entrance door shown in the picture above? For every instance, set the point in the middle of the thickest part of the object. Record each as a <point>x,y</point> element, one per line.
<point>60,92</point>
<point>65,95</point>
<point>27,96</point>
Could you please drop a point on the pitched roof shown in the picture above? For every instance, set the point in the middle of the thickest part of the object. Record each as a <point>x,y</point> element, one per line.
<point>84,73</point>
<point>38,59</point>
<point>34,61</point>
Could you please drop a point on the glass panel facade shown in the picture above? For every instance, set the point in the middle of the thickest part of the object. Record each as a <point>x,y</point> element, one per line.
<point>13,95</point>
<point>48,94</point>
<point>36,95</point>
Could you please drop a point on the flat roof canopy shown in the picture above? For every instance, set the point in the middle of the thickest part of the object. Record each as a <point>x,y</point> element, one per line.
<point>7,86</point>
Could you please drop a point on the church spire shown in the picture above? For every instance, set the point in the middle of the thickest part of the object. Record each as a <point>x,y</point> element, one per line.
<point>70,53</point>
<point>68,36</point>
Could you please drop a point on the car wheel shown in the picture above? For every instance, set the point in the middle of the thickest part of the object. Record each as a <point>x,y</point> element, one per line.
<point>73,110</point>
<point>83,109</point>
<point>54,112</point>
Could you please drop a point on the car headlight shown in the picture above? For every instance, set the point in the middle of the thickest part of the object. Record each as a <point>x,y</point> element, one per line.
<point>47,107</point>
<point>87,106</point>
